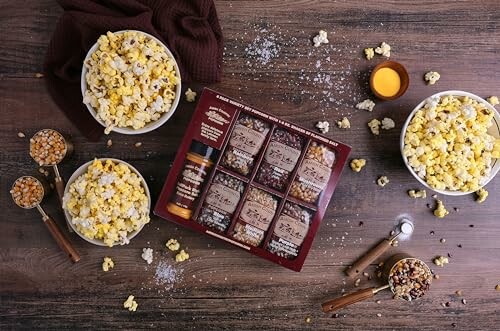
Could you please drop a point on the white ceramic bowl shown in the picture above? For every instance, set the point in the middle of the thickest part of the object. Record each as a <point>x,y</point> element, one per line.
<point>80,171</point>
<point>151,125</point>
<point>494,130</point>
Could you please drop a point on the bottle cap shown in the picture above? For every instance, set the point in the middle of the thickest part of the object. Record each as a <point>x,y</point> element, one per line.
<point>201,149</point>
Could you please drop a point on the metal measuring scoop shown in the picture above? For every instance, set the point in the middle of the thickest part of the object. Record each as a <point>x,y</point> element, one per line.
<point>405,227</point>
<point>58,180</point>
<point>390,264</point>
<point>56,233</point>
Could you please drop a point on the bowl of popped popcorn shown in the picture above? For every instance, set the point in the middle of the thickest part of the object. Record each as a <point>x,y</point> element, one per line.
<point>130,82</point>
<point>107,202</point>
<point>451,142</point>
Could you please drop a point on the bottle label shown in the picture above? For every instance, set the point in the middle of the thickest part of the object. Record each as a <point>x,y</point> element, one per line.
<point>281,155</point>
<point>247,139</point>
<point>189,184</point>
<point>291,229</point>
<point>257,215</point>
<point>222,198</point>
<point>315,174</point>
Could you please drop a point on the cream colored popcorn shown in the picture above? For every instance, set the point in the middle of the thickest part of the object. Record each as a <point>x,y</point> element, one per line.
<point>382,181</point>
<point>440,261</point>
<point>357,164</point>
<point>107,264</point>
<point>173,245</point>
<point>388,123</point>
<point>130,303</point>
<point>374,126</point>
<point>344,123</point>
<point>482,194</point>
<point>432,77</point>
<point>369,53</point>
<point>181,256</point>
<point>493,100</point>
<point>384,49</point>
<point>323,126</point>
<point>147,255</point>
<point>320,38</point>
<point>130,80</point>
<point>440,210</point>
<point>417,194</point>
<point>366,104</point>
<point>190,95</point>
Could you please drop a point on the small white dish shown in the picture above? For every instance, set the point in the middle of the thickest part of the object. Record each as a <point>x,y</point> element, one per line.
<point>494,130</point>
<point>80,171</point>
<point>151,125</point>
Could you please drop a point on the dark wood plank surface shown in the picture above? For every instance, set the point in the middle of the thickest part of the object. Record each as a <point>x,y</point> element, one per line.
<point>222,287</point>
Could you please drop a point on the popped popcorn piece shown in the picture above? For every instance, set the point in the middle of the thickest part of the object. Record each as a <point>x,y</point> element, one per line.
<point>181,256</point>
<point>448,145</point>
<point>147,255</point>
<point>369,53</point>
<point>374,126</point>
<point>107,264</point>
<point>131,80</point>
<point>107,202</point>
<point>357,164</point>
<point>384,49</point>
<point>130,303</point>
<point>21,135</point>
<point>320,38</point>
<point>417,194</point>
<point>344,123</point>
<point>323,126</point>
<point>482,194</point>
<point>440,261</point>
<point>366,104</point>
<point>190,95</point>
<point>432,77</point>
<point>440,210</point>
<point>382,181</point>
<point>493,100</point>
<point>173,245</point>
<point>388,123</point>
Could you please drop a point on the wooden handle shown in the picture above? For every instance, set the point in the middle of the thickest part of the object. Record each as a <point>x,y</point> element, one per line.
<point>347,300</point>
<point>61,240</point>
<point>368,258</point>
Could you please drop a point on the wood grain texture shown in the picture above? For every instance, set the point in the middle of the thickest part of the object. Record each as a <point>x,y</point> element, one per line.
<point>222,287</point>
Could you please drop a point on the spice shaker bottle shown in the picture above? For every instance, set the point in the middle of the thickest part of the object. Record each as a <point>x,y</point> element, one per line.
<point>198,162</point>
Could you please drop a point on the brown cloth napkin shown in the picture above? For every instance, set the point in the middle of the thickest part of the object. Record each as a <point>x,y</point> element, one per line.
<point>189,28</point>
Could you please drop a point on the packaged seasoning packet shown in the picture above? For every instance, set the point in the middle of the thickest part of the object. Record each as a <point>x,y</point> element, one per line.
<point>313,173</point>
<point>280,158</point>
<point>245,143</point>
<point>220,202</point>
<point>255,217</point>
<point>290,230</point>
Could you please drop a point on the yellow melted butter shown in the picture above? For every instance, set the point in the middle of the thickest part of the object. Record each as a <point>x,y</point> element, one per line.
<point>387,82</point>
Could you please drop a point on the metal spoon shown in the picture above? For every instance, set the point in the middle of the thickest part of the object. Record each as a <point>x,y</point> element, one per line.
<point>56,233</point>
<point>405,228</point>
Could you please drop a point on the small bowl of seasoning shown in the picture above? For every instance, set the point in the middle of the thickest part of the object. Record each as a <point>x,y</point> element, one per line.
<point>389,80</point>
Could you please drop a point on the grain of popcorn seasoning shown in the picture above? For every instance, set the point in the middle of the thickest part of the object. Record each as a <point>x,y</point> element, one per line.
<point>131,80</point>
<point>255,217</point>
<point>314,173</point>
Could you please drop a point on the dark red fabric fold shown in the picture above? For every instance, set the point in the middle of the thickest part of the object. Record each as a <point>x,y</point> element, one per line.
<point>189,28</point>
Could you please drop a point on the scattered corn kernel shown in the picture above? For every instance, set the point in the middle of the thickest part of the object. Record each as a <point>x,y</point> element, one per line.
<point>138,144</point>
<point>39,75</point>
<point>109,143</point>
<point>21,135</point>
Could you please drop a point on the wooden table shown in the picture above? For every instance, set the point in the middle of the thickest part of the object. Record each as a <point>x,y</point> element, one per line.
<point>222,287</point>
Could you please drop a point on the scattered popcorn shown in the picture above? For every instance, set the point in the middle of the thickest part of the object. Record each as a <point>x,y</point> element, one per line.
<point>107,264</point>
<point>320,38</point>
<point>357,164</point>
<point>388,123</point>
<point>131,80</point>
<point>21,135</point>
<point>344,123</point>
<point>130,303</point>
<point>308,319</point>
<point>432,77</point>
<point>39,75</point>
<point>369,53</point>
<point>323,126</point>
<point>448,145</point>
<point>190,95</point>
<point>109,143</point>
<point>440,210</point>
<point>417,194</point>
<point>366,104</point>
<point>181,256</point>
<point>493,100</point>
<point>173,245</point>
<point>107,202</point>
<point>497,287</point>
<point>147,255</point>
<point>482,194</point>
<point>440,261</point>
<point>138,144</point>
<point>374,126</point>
<point>384,49</point>
<point>382,181</point>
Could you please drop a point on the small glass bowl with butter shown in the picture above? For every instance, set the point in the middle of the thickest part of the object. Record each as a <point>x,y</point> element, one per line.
<point>389,80</point>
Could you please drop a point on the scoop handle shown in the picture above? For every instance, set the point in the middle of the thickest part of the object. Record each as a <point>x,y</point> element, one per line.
<point>368,258</point>
<point>61,239</point>
<point>348,299</point>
